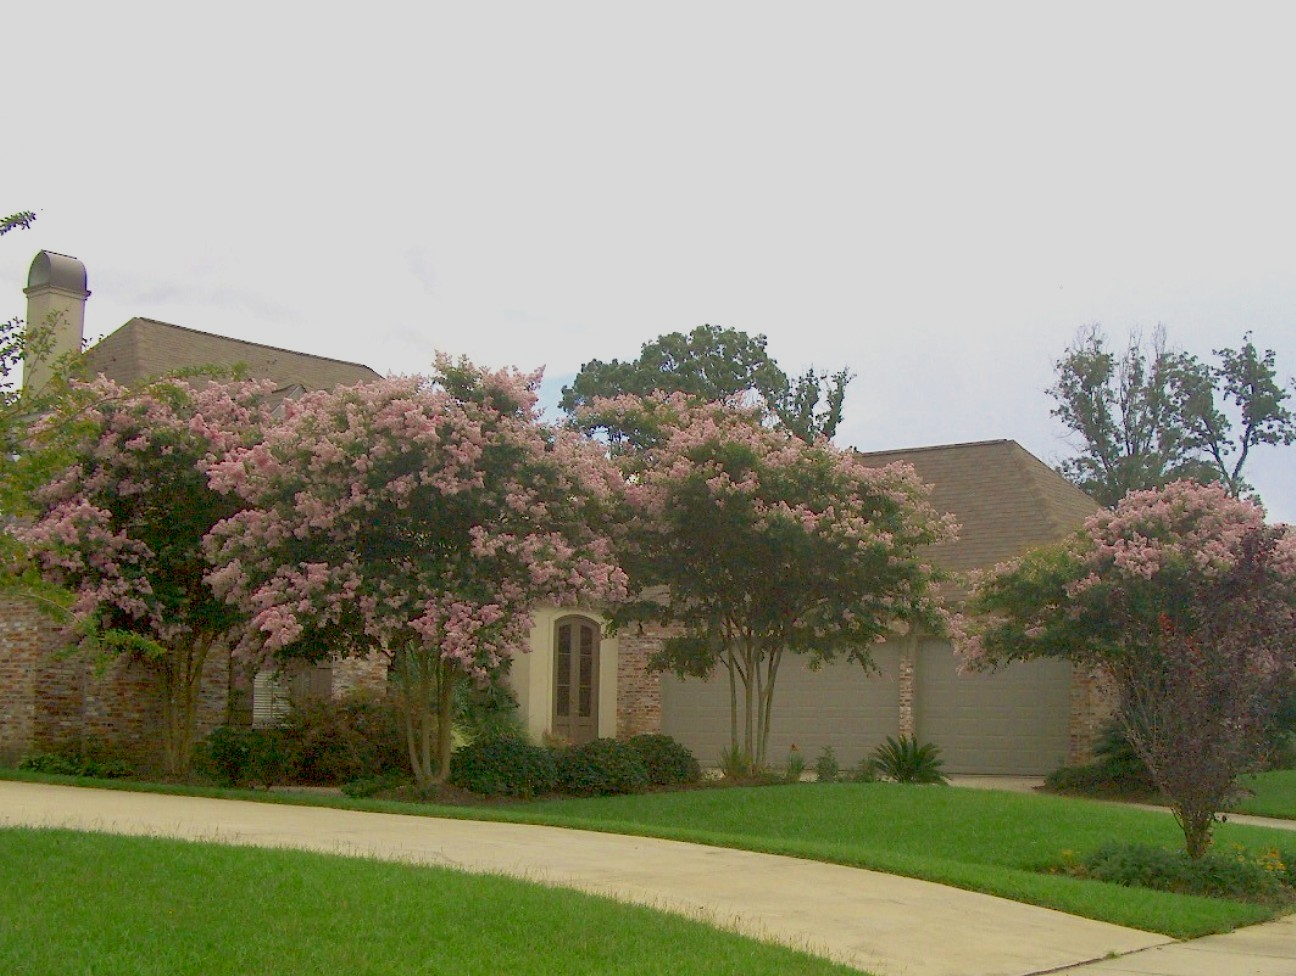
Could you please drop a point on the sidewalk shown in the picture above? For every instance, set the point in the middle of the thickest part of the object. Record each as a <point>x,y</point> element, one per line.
<point>880,923</point>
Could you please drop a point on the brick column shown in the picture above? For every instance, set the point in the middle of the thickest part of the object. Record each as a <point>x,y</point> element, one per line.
<point>906,684</point>
<point>1092,705</point>
<point>638,689</point>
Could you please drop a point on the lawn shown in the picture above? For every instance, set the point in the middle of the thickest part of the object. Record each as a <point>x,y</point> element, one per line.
<point>89,903</point>
<point>1271,794</point>
<point>998,843</point>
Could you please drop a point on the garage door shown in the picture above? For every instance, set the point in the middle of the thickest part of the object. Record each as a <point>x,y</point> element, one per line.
<point>1012,721</point>
<point>839,705</point>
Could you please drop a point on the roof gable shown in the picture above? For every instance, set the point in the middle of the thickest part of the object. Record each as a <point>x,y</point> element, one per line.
<point>143,348</point>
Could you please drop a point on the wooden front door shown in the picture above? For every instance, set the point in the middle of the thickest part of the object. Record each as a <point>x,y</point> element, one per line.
<point>576,653</point>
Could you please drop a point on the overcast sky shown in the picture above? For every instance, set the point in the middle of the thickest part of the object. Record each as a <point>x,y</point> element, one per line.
<point>935,195</point>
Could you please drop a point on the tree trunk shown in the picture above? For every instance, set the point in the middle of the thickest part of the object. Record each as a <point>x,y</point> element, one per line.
<point>181,679</point>
<point>447,676</point>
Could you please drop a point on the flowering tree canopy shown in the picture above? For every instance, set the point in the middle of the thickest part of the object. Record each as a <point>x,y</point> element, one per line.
<point>756,543</point>
<point>1186,600</point>
<point>422,519</point>
<point>122,525</point>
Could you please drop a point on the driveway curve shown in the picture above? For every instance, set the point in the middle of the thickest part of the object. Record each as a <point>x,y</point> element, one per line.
<point>879,923</point>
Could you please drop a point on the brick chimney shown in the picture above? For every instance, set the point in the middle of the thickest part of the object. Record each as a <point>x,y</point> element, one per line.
<point>56,294</point>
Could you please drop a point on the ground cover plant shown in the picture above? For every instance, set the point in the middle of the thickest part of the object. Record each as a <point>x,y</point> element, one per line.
<point>152,906</point>
<point>999,843</point>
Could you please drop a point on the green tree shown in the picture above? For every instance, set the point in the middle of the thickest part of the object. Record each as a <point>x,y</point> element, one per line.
<point>756,544</point>
<point>709,364</point>
<point>1153,415</point>
<point>1185,601</point>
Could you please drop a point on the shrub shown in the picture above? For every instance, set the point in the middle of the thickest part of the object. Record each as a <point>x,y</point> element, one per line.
<point>667,762</point>
<point>601,767</point>
<point>77,765</point>
<point>736,765</point>
<point>1115,770</point>
<point>1232,874</point>
<point>331,741</point>
<point>796,765</point>
<point>827,768</point>
<point>503,766</point>
<point>905,760</point>
<point>245,757</point>
<point>865,771</point>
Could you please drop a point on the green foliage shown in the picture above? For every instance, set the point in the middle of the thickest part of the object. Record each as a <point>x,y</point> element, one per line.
<point>74,764</point>
<point>827,768</point>
<point>1148,417</point>
<point>905,760</point>
<point>668,763</point>
<point>488,710</point>
<point>330,741</point>
<point>246,757</point>
<point>865,771</point>
<point>1116,770</point>
<point>601,767</point>
<point>711,364</point>
<point>736,765</point>
<point>1236,874</point>
<point>504,766</point>
<point>795,766</point>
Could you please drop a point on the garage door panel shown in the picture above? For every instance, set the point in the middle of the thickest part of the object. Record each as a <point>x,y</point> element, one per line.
<point>1012,721</point>
<point>840,705</point>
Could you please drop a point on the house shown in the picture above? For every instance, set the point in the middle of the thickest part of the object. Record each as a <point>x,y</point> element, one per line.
<point>578,681</point>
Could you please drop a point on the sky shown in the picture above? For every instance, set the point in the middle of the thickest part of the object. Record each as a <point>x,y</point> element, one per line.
<point>934,195</point>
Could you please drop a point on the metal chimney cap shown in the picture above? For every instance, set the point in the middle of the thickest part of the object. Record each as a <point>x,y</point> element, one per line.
<point>51,270</point>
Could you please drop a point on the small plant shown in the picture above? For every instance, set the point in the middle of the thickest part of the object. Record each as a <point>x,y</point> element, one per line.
<point>865,771</point>
<point>332,741</point>
<point>1116,770</point>
<point>602,767</point>
<point>905,760</point>
<point>796,765</point>
<point>504,765</point>
<point>827,768</point>
<point>668,762</point>
<point>736,766</point>
<point>372,786</point>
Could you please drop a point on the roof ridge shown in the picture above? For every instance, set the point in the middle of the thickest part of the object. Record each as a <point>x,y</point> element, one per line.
<point>250,342</point>
<point>941,447</point>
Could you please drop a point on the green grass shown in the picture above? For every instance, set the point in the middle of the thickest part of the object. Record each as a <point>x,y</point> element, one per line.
<point>1273,794</point>
<point>89,904</point>
<point>998,843</point>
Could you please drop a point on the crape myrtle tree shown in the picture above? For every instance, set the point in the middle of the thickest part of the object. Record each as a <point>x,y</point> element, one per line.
<point>1152,415</point>
<point>418,518</point>
<point>711,364</point>
<point>1186,601</point>
<point>754,544</point>
<point>121,527</point>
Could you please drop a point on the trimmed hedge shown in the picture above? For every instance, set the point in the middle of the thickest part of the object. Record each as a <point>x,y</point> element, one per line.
<point>601,767</point>
<point>503,766</point>
<point>667,762</point>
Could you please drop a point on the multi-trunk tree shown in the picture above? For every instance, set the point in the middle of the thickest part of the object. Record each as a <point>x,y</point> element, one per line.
<point>420,519</point>
<point>121,523</point>
<point>755,544</point>
<point>1186,601</point>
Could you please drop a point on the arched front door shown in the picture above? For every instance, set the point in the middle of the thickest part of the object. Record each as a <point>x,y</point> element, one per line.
<point>576,654</point>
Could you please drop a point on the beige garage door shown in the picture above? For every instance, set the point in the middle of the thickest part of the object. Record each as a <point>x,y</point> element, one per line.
<point>1012,721</point>
<point>839,705</point>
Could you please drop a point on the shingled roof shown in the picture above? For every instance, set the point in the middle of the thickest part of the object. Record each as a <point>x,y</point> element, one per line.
<point>143,348</point>
<point>1006,500</point>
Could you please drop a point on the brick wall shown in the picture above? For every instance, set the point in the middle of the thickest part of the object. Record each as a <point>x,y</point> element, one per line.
<point>25,639</point>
